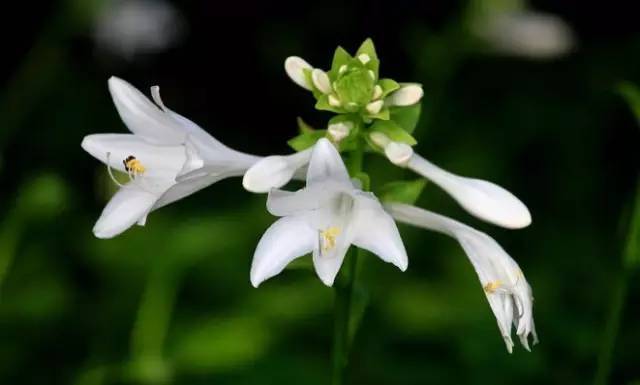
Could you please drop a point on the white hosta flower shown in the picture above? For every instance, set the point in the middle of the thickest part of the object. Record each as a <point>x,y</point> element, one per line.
<point>530,34</point>
<point>325,218</point>
<point>507,290</point>
<point>131,27</point>
<point>275,171</point>
<point>480,198</point>
<point>163,147</point>
<point>295,66</point>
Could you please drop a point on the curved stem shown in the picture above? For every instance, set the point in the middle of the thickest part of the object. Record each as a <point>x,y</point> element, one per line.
<point>344,327</point>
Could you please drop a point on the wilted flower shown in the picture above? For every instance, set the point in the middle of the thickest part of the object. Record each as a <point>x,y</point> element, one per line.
<point>507,290</point>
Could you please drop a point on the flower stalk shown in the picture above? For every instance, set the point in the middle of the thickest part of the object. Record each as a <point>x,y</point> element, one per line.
<point>345,293</point>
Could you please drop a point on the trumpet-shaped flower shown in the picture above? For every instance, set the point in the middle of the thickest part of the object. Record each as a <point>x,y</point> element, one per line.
<point>166,158</point>
<point>482,199</point>
<point>325,218</point>
<point>507,290</point>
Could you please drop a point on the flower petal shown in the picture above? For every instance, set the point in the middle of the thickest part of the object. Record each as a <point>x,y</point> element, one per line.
<point>128,206</point>
<point>274,171</point>
<point>112,149</point>
<point>142,117</point>
<point>282,203</point>
<point>507,290</point>
<point>376,231</point>
<point>326,164</point>
<point>188,187</point>
<point>287,239</point>
<point>328,265</point>
<point>480,198</point>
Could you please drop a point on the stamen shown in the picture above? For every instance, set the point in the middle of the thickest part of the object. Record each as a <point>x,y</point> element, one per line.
<point>113,178</point>
<point>492,286</point>
<point>328,238</point>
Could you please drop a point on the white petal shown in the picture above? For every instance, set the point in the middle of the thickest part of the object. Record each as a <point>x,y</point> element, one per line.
<point>142,117</point>
<point>325,164</point>
<point>186,188</point>
<point>510,299</point>
<point>294,66</point>
<point>376,231</point>
<point>483,199</point>
<point>274,171</point>
<point>339,130</point>
<point>128,206</point>
<point>281,203</point>
<point>321,81</point>
<point>286,239</point>
<point>203,149</point>
<point>327,266</point>
<point>407,95</point>
<point>159,161</point>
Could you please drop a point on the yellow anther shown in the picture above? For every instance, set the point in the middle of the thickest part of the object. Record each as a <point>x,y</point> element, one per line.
<point>492,286</point>
<point>329,238</point>
<point>133,165</point>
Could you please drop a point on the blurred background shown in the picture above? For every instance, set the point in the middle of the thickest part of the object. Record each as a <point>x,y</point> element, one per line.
<point>522,94</point>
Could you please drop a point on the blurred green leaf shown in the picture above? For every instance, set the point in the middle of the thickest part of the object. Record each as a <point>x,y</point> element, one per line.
<point>632,95</point>
<point>221,344</point>
<point>406,117</point>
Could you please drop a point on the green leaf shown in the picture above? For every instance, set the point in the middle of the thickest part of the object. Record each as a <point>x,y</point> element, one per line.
<point>340,57</point>
<point>393,131</point>
<point>632,95</point>
<point>402,191</point>
<point>388,86</point>
<point>306,139</point>
<point>368,48</point>
<point>407,117</point>
<point>632,248</point>
<point>303,126</point>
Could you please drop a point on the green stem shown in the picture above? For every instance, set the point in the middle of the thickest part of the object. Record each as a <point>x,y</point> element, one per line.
<point>344,294</point>
<point>611,331</point>
<point>630,261</point>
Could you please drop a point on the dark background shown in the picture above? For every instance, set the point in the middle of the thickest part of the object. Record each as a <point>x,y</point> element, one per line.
<point>171,302</point>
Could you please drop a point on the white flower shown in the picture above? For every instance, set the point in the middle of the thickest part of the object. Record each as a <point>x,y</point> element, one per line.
<point>130,27</point>
<point>482,199</point>
<point>507,290</point>
<point>325,218</point>
<point>530,34</point>
<point>164,147</point>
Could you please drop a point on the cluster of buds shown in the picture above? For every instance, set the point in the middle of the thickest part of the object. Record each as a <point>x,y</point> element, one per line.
<point>353,89</point>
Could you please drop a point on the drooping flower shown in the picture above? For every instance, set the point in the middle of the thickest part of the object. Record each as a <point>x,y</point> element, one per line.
<point>504,284</point>
<point>166,158</point>
<point>325,218</point>
<point>482,199</point>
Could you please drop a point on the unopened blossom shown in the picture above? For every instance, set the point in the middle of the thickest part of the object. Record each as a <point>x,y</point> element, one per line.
<point>166,157</point>
<point>325,218</point>
<point>503,282</point>
<point>353,87</point>
<point>480,198</point>
<point>275,171</point>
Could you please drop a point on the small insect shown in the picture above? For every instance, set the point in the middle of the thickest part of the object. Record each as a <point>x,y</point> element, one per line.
<point>133,165</point>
